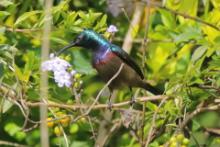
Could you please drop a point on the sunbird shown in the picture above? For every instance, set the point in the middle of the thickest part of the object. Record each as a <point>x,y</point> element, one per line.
<point>107,59</point>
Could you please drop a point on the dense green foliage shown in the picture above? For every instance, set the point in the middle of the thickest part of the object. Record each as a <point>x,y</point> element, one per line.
<point>182,59</point>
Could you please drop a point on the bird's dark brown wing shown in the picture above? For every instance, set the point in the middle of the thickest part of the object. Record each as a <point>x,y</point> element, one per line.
<point>127,59</point>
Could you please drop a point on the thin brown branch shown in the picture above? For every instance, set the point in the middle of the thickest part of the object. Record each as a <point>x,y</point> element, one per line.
<point>156,4</point>
<point>196,112</point>
<point>111,131</point>
<point>145,41</point>
<point>143,48</point>
<point>105,125</point>
<point>44,75</point>
<point>97,106</point>
<point>7,143</point>
<point>152,129</point>
<point>215,131</point>
<point>128,41</point>
<point>105,86</point>
<point>23,30</point>
<point>140,40</point>
<point>12,95</point>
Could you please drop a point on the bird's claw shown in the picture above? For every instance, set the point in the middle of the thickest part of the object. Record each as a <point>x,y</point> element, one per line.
<point>132,101</point>
<point>110,106</point>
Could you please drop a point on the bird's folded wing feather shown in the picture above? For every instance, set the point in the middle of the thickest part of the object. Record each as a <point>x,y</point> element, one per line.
<point>126,58</point>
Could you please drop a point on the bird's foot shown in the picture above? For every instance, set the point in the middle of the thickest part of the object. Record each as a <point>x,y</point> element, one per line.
<point>109,106</point>
<point>132,101</point>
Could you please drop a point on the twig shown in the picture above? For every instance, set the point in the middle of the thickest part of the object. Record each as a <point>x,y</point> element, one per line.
<point>142,125</point>
<point>127,44</point>
<point>7,143</point>
<point>183,15</point>
<point>44,75</point>
<point>82,111</point>
<point>215,131</point>
<point>92,129</point>
<point>99,94</point>
<point>105,86</point>
<point>145,41</point>
<point>97,106</point>
<point>31,128</point>
<point>23,30</point>
<point>59,124</point>
<point>143,47</point>
<point>112,130</point>
<point>12,95</point>
<point>104,124</point>
<point>150,133</point>
<point>140,40</point>
<point>196,112</point>
<point>134,133</point>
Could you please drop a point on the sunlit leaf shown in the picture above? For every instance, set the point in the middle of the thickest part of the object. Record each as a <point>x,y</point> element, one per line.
<point>3,14</point>
<point>25,16</point>
<point>168,19</point>
<point>6,105</point>
<point>5,3</point>
<point>198,53</point>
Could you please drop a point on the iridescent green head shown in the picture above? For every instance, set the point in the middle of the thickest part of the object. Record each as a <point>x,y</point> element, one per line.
<point>88,39</point>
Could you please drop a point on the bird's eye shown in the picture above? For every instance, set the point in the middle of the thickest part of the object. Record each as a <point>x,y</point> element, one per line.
<point>80,37</point>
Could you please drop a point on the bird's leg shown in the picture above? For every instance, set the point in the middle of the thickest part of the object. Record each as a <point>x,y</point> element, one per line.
<point>132,101</point>
<point>110,101</point>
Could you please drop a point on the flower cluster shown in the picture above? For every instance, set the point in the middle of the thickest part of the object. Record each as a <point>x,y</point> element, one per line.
<point>59,67</point>
<point>112,29</point>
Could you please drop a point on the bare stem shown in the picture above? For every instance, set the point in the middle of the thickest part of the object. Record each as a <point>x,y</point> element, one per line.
<point>44,75</point>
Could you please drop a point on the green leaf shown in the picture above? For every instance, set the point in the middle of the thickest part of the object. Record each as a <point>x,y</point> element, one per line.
<point>25,16</point>
<point>15,131</point>
<point>187,33</point>
<point>216,3</point>
<point>79,144</point>
<point>1,69</point>
<point>74,128</point>
<point>59,40</point>
<point>189,7</point>
<point>5,106</point>
<point>3,14</point>
<point>168,19</point>
<point>195,125</point>
<point>80,62</point>
<point>11,128</point>
<point>18,73</point>
<point>101,23</point>
<point>69,21</point>
<point>209,119</point>
<point>151,106</point>
<point>30,65</point>
<point>200,51</point>
<point>5,3</point>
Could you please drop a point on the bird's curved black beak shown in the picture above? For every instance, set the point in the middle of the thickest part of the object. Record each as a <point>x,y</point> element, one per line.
<point>65,48</point>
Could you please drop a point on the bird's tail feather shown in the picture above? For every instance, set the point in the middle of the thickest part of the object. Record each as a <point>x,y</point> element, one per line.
<point>151,89</point>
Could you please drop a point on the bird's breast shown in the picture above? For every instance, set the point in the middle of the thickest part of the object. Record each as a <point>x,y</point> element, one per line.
<point>107,65</point>
<point>102,58</point>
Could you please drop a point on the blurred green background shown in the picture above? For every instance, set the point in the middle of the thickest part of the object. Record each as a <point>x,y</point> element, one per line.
<point>181,57</point>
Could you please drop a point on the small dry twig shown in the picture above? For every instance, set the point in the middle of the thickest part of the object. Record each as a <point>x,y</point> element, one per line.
<point>7,143</point>
<point>152,129</point>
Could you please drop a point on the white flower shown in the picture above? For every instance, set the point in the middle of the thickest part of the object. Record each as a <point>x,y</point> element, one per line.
<point>112,29</point>
<point>55,64</point>
<point>52,55</point>
<point>73,72</point>
<point>63,78</point>
<point>59,68</point>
